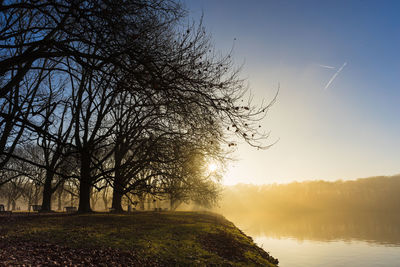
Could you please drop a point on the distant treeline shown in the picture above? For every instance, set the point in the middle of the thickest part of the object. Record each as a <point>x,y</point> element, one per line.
<point>368,194</point>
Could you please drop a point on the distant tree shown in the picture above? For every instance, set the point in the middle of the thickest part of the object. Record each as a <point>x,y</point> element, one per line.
<point>189,180</point>
<point>60,195</point>
<point>24,179</point>
<point>14,190</point>
<point>10,172</point>
<point>106,197</point>
<point>57,150</point>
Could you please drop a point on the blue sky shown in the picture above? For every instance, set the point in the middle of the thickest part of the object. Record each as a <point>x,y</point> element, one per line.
<point>350,129</point>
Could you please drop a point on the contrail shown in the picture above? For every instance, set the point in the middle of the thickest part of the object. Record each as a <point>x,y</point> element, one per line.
<point>334,75</point>
<point>326,66</point>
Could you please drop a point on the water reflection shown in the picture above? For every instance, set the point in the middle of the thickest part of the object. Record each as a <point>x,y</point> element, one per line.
<point>377,228</point>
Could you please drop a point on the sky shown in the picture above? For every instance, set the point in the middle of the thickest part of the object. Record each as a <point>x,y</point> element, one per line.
<point>337,64</point>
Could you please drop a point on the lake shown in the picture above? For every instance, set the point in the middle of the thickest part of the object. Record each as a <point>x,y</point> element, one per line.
<point>326,239</point>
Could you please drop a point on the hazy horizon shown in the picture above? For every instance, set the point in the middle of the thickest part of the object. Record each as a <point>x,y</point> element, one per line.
<point>226,182</point>
<point>321,223</point>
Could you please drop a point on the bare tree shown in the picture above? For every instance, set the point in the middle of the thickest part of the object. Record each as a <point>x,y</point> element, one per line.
<point>112,87</point>
<point>37,38</point>
<point>184,92</point>
<point>56,146</point>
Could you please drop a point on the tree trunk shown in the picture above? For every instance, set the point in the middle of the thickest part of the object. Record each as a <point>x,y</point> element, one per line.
<point>92,201</point>
<point>84,197</point>
<point>93,198</point>
<point>141,202</point>
<point>47,192</point>
<point>172,204</point>
<point>105,201</point>
<point>8,203</point>
<point>175,203</point>
<point>29,204</point>
<point>148,203</point>
<point>117,198</point>
<point>85,184</point>
<point>59,200</point>
<point>118,182</point>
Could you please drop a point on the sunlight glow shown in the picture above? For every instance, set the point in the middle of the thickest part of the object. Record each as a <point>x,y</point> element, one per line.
<point>212,167</point>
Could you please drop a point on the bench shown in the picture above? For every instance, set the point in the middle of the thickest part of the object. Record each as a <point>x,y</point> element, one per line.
<point>36,207</point>
<point>3,210</point>
<point>70,209</point>
<point>111,210</point>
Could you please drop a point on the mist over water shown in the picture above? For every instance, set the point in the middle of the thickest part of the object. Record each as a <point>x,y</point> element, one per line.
<point>320,223</point>
<point>374,228</point>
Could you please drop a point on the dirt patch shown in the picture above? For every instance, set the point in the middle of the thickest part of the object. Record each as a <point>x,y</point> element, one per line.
<point>226,246</point>
<point>29,253</point>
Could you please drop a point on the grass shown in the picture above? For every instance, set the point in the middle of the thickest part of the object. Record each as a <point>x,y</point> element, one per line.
<point>165,238</point>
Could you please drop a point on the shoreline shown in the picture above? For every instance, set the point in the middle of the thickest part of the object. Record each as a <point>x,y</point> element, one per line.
<point>138,238</point>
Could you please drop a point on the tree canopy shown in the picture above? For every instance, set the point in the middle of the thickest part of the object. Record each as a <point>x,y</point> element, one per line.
<point>118,94</point>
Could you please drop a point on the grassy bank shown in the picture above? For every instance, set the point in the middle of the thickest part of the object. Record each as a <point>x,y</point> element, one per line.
<point>141,238</point>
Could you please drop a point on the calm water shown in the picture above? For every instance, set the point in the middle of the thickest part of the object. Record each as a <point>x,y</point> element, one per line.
<point>356,239</point>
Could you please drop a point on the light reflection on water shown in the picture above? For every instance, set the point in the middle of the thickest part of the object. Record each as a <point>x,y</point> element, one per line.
<point>328,239</point>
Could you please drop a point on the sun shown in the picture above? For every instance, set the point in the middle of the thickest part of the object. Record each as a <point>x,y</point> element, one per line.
<point>212,167</point>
